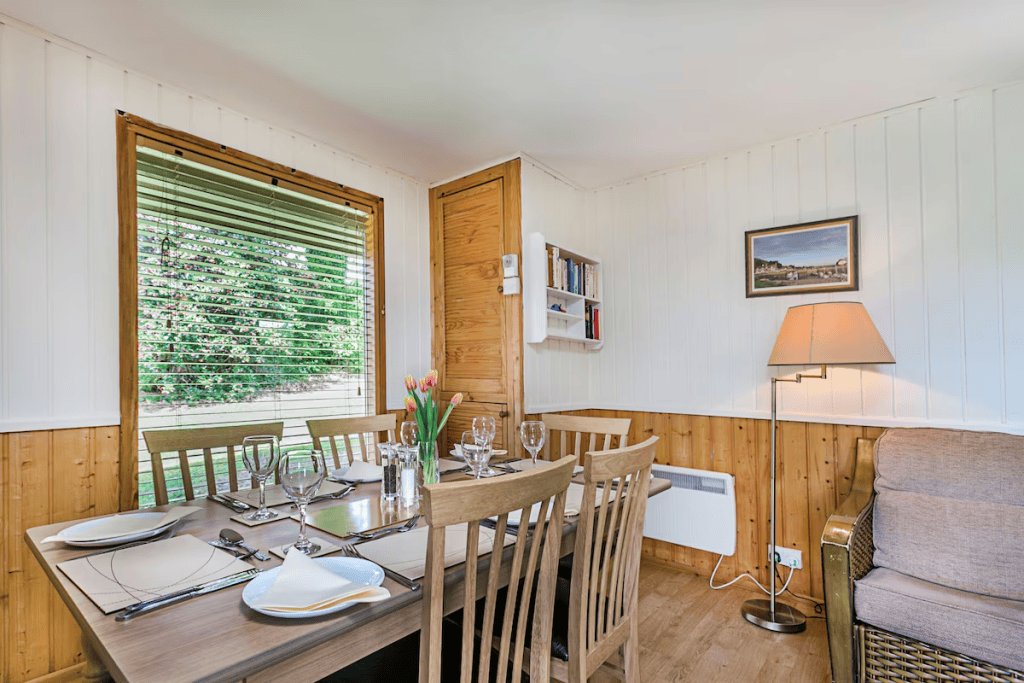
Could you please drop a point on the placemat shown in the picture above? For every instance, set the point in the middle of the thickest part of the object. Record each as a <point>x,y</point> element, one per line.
<point>240,518</point>
<point>275,494</point>
<point>407,553</point>
<point>358,515</point>
<point>116,579</point>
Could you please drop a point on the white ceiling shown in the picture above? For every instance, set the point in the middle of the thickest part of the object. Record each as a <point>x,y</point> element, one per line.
<point>600,91</point>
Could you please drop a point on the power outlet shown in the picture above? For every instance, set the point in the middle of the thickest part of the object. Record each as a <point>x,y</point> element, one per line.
<point>788,557</point>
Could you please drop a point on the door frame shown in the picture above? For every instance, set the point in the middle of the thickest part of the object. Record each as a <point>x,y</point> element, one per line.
<point>509,174</point>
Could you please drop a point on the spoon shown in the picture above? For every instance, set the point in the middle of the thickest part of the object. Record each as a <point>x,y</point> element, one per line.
<point>231,537</point>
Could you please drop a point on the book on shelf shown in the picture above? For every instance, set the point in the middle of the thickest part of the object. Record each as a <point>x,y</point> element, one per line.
<point>592,322</point>
<point>570,275</point>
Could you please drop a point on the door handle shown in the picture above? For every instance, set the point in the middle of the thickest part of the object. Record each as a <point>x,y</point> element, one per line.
<point>503,414</point>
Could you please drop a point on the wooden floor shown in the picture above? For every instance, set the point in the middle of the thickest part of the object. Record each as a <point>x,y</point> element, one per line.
<point>689,632</point>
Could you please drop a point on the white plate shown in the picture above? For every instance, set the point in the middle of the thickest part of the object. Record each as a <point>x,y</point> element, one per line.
<point>351,568</point>
<point>457,452</point>
<point>523,465</point>
<point>117,540</point>
<point>340,474</point>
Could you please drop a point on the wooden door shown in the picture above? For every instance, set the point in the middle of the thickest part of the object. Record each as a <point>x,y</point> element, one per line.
<point>477,343</point>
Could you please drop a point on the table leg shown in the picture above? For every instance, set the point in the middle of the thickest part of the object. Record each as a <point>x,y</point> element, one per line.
<point>94,671</point>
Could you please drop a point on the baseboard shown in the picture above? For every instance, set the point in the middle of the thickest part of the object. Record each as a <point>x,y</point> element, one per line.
<point>72,674</point>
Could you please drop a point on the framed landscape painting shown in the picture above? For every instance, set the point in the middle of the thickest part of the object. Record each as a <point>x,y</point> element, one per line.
<point>804,258</point>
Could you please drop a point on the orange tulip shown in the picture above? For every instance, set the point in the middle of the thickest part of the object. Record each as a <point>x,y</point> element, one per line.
<point>410,383</point>
<point>431,379</point>
<point>456,400</point>
<point>410,404</point>
<point>423,385</point>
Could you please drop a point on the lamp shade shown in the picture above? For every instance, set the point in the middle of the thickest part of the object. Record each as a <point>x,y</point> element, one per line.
<point>833,333</point>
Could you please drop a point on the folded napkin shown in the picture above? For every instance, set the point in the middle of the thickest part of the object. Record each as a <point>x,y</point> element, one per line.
<point>303,585</point>
<point>120,525</point>
<point>360,471</point>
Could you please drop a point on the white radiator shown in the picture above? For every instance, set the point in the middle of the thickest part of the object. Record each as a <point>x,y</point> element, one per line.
<point>699,511</point>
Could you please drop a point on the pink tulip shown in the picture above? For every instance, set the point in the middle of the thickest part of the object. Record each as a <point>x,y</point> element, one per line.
<point>423,385</point>
<point>456,400</point>
<point>410,383</point>
<point>431,378</point>
<point>410,404</point>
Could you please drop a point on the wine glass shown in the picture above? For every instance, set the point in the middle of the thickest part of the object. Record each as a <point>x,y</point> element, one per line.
<point>410,433</point>
<point>532,433</point>
<point>486,426</point>
<point>301,472</point>
<point>475,450</point>
<point>260,455</point>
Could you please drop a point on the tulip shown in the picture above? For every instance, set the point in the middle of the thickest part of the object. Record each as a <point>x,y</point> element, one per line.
<point>410,383</point>
<point>431,379</point>
<point>456,400</point>
<point>410,404</point>
<point>423,385</point>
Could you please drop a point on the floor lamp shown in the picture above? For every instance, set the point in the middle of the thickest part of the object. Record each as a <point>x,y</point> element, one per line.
<point>834,333</point>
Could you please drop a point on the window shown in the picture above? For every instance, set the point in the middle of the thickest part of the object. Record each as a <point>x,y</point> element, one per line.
<point>255,302</point>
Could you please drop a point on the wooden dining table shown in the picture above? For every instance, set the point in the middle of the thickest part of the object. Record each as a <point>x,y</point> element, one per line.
<point>216,638</point>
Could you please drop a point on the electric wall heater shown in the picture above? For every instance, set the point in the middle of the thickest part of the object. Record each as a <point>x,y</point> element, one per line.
<point>699,511</point>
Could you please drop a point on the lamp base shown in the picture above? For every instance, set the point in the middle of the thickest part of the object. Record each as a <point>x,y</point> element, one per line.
<point>786,619</point>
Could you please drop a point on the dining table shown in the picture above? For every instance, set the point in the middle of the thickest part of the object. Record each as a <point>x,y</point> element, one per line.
<point>216,638</point>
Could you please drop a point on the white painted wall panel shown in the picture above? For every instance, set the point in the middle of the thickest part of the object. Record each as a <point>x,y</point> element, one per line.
<point>58,226</point>
<point>939,188</point>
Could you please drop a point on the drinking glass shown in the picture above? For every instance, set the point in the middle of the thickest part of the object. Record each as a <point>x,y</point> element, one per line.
<point>485,424</point>
<point>475,450</point>
<point>301,472</point>
<point>260,455</point>
<point>533,433</point>
<point>410,433</point>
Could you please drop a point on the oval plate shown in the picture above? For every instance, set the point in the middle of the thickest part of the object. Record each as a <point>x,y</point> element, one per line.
<point>118,540</point>
<point>351,568</point>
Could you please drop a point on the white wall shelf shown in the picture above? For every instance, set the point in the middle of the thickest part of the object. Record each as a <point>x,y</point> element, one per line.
<point>567,322</point>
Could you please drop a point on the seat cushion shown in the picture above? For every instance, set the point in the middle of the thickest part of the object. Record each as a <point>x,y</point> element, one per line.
<point>950,508</point>
<point>978,626</point>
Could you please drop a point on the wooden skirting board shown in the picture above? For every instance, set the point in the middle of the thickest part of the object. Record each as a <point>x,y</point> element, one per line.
<point>47,477</point>
<point>815,470</point>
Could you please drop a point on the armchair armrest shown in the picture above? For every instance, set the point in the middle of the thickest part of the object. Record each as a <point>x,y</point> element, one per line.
<point>847,550</point>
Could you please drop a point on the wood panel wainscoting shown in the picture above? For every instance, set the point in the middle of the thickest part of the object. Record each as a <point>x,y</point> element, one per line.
<point>815,471</point>
<point>47,477</point>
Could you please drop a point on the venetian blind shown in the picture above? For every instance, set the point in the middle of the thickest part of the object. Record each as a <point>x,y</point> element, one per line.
<point>255,303</point>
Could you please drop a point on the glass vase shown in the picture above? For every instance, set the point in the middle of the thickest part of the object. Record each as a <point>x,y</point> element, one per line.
<point>428,462</point>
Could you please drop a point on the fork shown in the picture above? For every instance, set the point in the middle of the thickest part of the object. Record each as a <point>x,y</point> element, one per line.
<point>329,496</point>
<point>349,550</point>
<point>408,526</point>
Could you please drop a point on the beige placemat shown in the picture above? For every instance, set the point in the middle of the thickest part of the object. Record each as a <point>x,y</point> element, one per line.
<point>346,518</point>
<point>326,548</point>
<point>275,494</point>
<point>119,578</point>
<point>240,518</point>
<point>407,553</point>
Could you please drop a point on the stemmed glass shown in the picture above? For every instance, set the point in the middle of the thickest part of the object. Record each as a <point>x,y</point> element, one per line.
<point>260,455</point>
<point>533,433</point>
<point>476,450</point>
<point>486,426</point>
<point>410,433</point>
<point>301,472</point>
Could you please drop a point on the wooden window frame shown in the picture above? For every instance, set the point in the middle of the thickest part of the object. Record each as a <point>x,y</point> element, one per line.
<point>129,129</point>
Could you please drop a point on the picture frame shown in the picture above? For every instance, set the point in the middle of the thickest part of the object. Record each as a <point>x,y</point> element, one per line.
<point>804,258</point>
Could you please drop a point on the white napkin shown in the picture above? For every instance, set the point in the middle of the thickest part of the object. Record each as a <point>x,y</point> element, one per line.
<point>120,525</point>
<point>360,471</point>
<point>303,585</point>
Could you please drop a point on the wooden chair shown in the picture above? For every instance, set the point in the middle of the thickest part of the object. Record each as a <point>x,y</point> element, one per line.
<point>470,502</point>
<point>360,427</point>
<point>595,427</point>
<point>605,577</point>
<point>206,439</point>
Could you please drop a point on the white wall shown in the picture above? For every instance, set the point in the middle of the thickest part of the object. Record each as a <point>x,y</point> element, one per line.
<point>58,225</point>
<point>939,189</point>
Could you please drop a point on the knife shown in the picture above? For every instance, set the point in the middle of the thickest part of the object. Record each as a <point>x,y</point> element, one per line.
<point>185,594</point>
<point>236,505</point>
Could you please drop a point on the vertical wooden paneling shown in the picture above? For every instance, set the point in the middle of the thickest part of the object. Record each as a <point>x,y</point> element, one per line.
<point>821,494</point>
<point>46,477</point>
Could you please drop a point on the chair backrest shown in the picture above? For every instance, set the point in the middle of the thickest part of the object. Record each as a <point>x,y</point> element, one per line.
<point>571,430</point>
<point>205,439</point>
<point>359,427</point>
<point>469,502</point>
<point>606,559</point>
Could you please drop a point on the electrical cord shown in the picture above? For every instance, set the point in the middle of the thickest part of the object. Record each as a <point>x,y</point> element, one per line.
<point>819,608</point>
<point>785,586</point>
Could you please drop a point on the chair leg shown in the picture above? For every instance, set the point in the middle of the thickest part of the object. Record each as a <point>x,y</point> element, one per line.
<point>631,652</point>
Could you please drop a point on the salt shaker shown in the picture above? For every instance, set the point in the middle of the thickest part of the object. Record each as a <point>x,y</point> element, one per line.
<point>410,475</point>
<point>391,462</point>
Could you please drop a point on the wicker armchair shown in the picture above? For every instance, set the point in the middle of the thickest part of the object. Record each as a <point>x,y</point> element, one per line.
<point>862,653</point>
